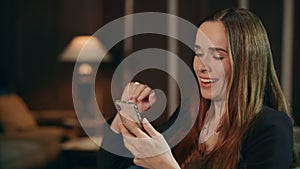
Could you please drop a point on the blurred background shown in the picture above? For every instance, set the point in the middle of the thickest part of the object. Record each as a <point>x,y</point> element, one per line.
<point>36,80</point>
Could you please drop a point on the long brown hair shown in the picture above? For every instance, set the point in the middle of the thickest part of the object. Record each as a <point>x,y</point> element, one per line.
<point>253,83</point>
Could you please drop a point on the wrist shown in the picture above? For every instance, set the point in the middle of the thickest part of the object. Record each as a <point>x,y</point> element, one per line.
<point>174,165</point>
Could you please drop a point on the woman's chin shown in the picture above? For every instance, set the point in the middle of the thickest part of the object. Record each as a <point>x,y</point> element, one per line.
<point>206,95</point>
<point>212,97</point>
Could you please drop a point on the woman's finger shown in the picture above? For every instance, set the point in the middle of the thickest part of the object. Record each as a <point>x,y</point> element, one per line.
<point>152,98</point>
<point>124,131</point>
<point>133,128</point>
<point>145,93</point>
<point>137,91</point>
<point>131,88</point>
<point>149,129</point>
<point>125,94</point>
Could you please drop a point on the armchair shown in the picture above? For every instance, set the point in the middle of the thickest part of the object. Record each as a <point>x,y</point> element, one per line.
<point>23,143</point>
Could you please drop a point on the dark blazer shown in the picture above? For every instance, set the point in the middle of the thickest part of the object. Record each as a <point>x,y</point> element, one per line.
<point>267,144</point>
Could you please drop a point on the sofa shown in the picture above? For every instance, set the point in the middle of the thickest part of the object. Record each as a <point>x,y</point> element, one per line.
<point>23,143</point>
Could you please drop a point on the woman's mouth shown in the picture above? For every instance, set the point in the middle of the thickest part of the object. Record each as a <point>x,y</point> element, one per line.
<point>207,82</point>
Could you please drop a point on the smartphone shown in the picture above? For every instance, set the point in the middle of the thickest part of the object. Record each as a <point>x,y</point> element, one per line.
<point>131,110</point>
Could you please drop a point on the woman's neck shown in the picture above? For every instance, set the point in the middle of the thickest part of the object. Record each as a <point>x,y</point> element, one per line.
<point>218,108</point>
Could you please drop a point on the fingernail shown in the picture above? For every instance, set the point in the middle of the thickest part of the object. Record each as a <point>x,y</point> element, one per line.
<point>145,120</point>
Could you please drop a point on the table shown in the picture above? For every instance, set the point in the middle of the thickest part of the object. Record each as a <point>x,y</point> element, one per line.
<point>80,153</point>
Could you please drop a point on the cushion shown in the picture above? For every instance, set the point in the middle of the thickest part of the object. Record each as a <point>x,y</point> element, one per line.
<point>17,154</point>
<point>14,114</point>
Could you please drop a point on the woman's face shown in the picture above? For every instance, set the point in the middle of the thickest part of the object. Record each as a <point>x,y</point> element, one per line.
<point>211,61</point>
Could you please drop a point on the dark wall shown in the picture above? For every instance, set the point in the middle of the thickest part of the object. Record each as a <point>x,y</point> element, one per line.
<point>36,51</point>
<point>273,24</point>
<point>8,52</point>
<point>36,33</point>
<point>296,67</point>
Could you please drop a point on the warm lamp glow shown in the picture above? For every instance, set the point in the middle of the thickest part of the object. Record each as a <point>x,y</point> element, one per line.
<point>89,48</point>
<point>85,69</point>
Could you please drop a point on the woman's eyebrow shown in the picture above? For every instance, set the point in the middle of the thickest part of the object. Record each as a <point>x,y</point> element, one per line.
<point>197,47</point>
<point>218,49</point>
<point>211,48</point>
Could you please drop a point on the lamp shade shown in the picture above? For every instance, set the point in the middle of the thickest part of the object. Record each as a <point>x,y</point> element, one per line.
<point>89,48</point>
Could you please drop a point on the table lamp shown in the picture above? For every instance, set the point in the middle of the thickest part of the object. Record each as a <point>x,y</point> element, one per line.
<point>93,48</point>
<point>86,51</point>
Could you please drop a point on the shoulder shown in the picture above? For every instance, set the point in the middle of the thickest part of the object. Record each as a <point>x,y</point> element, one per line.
<point>271,120</point>
<point>268,142</point>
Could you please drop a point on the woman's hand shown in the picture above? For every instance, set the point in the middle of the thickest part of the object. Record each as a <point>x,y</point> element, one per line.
<point>140,94</point>
<point>149,146</point>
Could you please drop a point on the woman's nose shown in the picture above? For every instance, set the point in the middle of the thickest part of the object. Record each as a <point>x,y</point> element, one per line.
<point>204,65</point>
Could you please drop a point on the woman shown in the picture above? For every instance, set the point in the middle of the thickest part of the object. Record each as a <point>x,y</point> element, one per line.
<point>243,118</point>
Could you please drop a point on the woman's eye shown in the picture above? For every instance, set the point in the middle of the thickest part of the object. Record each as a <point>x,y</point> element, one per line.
<point>218,57</point>
<point>199,54</point>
